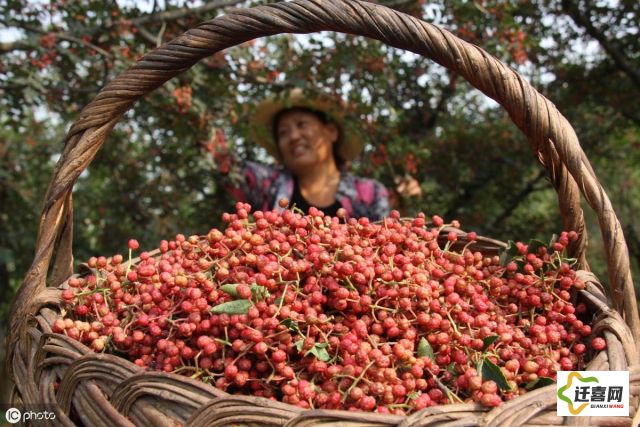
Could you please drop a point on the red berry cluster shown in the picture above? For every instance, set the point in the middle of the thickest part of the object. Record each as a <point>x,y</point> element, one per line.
<point>321,312</point>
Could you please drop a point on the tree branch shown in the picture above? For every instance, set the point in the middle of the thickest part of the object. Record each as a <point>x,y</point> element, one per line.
<point>172,15</point>
<point>146,34</point>
<point>90,45</point>
<point>468,193</point>
<point>430,118</point>
<point>6,47</point>
<point>164,16</point>
<point>529,188</point>
<point>446,94</point>
<point>618,57</point>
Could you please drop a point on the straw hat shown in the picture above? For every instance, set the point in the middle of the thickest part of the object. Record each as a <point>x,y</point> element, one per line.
<point>349,142</point>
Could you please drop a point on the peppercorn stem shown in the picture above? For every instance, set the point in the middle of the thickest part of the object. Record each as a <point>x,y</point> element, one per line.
<point>356,381</point>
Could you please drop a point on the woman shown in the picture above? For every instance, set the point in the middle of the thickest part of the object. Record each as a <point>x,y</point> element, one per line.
<point>307,136</point>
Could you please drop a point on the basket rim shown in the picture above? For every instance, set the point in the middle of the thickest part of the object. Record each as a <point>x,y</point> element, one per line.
<point>549,133</point>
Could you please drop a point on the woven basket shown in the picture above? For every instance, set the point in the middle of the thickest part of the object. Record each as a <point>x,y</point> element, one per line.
<point>83,387</point>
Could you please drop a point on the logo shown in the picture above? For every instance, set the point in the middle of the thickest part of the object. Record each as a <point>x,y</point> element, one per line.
<point>593,393</point>
<point>13,415</point>
<point>26,414</point>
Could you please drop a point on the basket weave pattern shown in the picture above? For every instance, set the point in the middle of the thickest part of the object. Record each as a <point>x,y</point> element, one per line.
<point>105,390</point>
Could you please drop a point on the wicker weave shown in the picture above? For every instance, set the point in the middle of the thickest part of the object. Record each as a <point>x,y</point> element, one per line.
<point>104,390</point>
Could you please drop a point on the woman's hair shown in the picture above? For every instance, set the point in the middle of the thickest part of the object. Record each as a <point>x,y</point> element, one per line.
<point>324,118</point>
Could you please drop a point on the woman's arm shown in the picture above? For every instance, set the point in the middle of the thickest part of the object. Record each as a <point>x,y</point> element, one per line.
<point>246,181</point>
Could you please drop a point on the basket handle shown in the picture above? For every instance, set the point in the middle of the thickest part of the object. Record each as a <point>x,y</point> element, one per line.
<point>552,138</point>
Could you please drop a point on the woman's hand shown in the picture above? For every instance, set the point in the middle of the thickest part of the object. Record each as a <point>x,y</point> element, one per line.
<point>408,186</point>
<point>217,146</point>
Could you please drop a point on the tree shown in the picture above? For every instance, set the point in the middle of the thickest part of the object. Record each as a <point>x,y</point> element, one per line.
<point>152,179</point>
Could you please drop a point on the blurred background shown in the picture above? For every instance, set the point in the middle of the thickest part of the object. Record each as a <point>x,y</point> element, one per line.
<point>154,177</point>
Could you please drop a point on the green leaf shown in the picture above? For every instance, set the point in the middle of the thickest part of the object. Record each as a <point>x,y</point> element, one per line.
<point>231,289</point>
<point>414,395</point>
<point>259,292</point>
<point>451,368</point>
<point>224,342</point>
<point>491,371</point>
<point>534,245</point>
<point>291,325</point>
<point>299,344</point>
<point>539,383</point>
<point>240,306</point>
<point>347,284</point>
<point>319,350</point>
<point>425,349</point>
<point>488,341</point>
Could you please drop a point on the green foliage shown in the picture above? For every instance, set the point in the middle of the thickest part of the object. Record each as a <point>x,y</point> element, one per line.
<point>152,179</point>
<point>26,163</point>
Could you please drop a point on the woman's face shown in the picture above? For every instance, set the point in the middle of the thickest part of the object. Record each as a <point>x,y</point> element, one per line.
<point>304,140</point>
